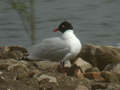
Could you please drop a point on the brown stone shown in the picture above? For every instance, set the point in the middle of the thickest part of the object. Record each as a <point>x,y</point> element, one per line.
<point>94,69</point>
<point>100,56</point>
<point>111,76</point>
<point>81,87</point>
<point>78,73</point>
<point>82,64</point>
<point>113,86</point>
<point>16,52</point>
<point>98,86</point>
<point>94,76</point>
<point>46,65</point>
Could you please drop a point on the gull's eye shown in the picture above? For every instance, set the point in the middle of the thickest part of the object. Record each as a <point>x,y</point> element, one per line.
<point>63,26</point>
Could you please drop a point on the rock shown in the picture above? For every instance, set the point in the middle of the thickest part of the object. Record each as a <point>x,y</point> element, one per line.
<point>98,86</point>
<point>20,64</point>
<point>111,76</point>
<point>113,86</point>
<point>78,73</point>
<point>3,66</point>
<point>67,64</point>
<point>3,52</point>
<point>33,73</point>
<point>100,56</point>
<point>5,63</point>
<point>2,78</point>
<point>20,68</point>
<point>115,67</point>
<point>15,52</point>
<point>43,75</point>
<point>81,87</point>
<point>1,73</point>
<point>94,69</point>
<point>46,65</point>
<point>82,64</point>
<point>94,76</point>
<point>8,89</point>
<point>51,79</point>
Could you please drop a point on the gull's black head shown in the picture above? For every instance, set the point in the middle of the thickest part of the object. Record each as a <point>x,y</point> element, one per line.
<point>64,26</point>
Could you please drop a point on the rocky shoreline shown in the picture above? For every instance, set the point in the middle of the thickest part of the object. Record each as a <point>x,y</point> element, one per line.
<point>95,68</point>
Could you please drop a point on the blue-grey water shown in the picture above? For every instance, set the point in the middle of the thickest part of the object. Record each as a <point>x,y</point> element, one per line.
<point>94,21</point>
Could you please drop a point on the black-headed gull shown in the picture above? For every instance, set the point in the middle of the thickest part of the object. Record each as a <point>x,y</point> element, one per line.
<point>62,48</point>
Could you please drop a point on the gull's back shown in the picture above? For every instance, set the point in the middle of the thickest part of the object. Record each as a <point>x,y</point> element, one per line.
<point>49,49</point>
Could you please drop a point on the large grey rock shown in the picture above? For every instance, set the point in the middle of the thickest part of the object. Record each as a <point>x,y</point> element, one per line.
<point>100,56</point>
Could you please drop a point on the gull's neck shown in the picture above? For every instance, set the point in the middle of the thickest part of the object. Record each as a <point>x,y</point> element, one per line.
<point>69,34</point>
<point>72,41</point>
<point>69,31</point>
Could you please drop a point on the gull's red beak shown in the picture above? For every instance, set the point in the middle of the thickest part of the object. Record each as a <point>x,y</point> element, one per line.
<point>55,30</point>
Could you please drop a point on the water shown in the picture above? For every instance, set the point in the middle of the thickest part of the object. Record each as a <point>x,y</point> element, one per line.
<point>94,21</point>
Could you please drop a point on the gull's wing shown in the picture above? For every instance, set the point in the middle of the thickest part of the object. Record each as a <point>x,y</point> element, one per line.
<point>50,49</point>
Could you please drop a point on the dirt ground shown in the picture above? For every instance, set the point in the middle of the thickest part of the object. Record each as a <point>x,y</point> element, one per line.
<point>17,73</point>
<point>26,75</point>
<point>20,75</point>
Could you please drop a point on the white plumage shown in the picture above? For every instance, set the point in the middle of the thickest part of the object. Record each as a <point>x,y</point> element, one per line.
<point>63,48</point>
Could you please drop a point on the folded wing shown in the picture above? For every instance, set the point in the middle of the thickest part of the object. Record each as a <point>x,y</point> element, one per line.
<point>50,49</point>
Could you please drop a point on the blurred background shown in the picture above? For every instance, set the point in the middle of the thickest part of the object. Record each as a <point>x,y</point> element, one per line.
<point>26,22</point>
